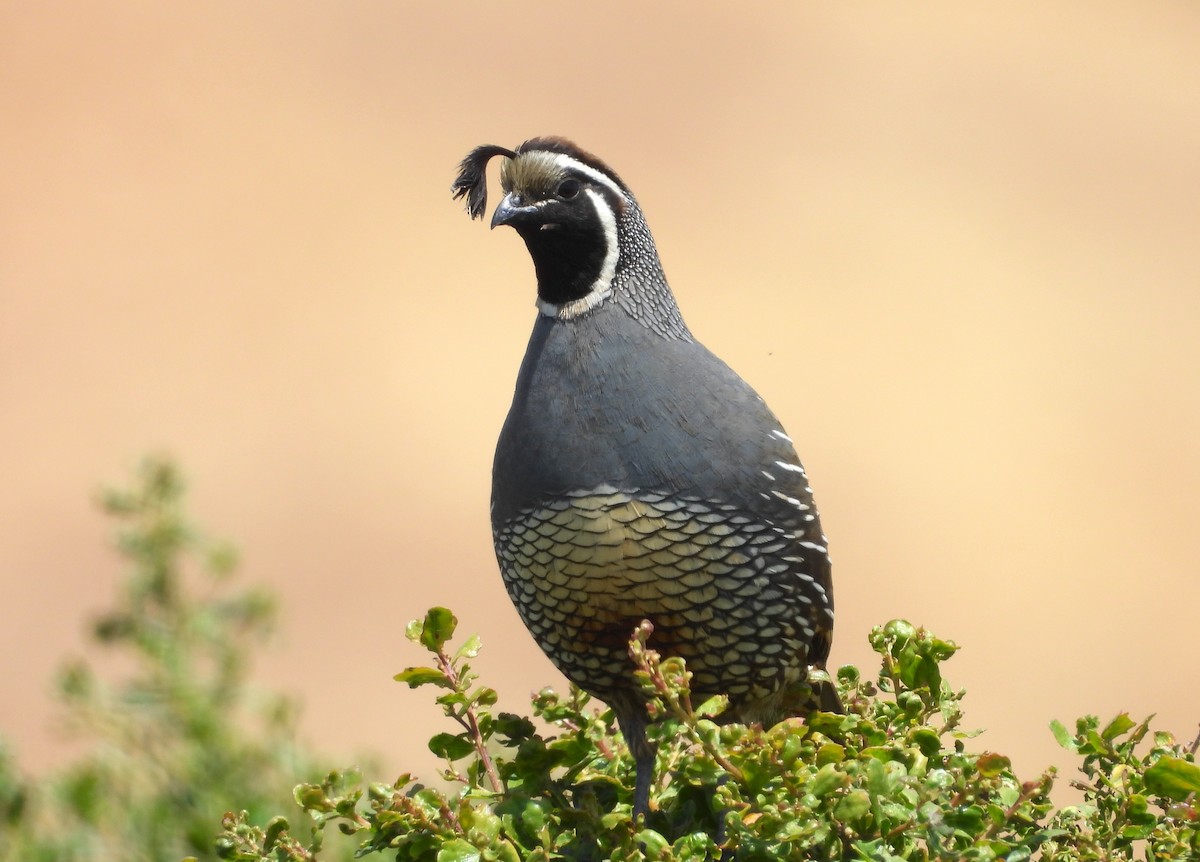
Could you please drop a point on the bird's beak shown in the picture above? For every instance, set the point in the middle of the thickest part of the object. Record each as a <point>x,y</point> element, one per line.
<point>511,213</point>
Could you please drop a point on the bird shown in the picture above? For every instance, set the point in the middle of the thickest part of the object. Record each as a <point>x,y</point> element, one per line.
<point>636,476</point>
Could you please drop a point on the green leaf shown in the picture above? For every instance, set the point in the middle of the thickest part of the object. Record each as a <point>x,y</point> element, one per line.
<point>852,806</point>
<point>419,676</point>
<point>1137,809</point>
<point>1117,726</point>
<point>311,797</point>
<point>451,746</point>
<point>830,752</point>
<point>483,697</point>
<point>1136,831</point>
<point>792,744</point>
<point>900,630</point>
<point>452,699</point>
<point>879,753</point>
<point>1064,737</point>
<point>1173,777</point>
<point>879,783</point>
<point>697,845</point>
<point>482,825</point>
<point>533,815</point>
<point>458,850</point>
<point>969,819</point>
<point>429,801</point>
<point>470,647</point>
<point>438,628</point>
<point>278,826</point>
<point>826,780</point>
<point>1094,743</point>
<point>927,740</point>
<point>513,729</point>
<point>653,842</point>
<point>991,765</point>
<point>713,707</point>
<point>942,650</point>
<point>506,852</point>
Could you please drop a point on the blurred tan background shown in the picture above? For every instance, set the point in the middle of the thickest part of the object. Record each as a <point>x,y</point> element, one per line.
<point>958,251</point>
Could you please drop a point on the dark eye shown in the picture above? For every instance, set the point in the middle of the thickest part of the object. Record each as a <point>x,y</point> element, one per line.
<point>568,188</point>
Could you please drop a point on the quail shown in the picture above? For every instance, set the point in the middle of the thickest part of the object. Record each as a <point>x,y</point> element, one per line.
<point>637,476</point>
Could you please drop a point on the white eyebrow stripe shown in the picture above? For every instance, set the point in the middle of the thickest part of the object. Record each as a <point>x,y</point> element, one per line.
<point>569,163</point>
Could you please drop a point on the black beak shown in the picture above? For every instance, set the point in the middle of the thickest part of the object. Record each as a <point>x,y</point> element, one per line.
<point>512,213</point>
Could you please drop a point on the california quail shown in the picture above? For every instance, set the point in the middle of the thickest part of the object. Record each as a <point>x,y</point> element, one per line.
<point>637,476</point>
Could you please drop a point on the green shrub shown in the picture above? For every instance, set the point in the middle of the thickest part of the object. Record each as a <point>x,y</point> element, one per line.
<point>891,779</point>
<point>182,744</point>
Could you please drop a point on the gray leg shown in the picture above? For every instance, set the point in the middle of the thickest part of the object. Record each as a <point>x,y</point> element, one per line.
<point>633,728</point>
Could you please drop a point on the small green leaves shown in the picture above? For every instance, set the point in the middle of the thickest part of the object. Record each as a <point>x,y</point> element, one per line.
<point>892,778</point>
<point>911,660</point>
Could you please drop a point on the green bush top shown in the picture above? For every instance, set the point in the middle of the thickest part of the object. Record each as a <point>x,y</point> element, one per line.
<point>891,779</point>
<point>184,739</point>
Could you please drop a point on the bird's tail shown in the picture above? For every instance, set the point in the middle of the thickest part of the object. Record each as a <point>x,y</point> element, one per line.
<point>826,697</point>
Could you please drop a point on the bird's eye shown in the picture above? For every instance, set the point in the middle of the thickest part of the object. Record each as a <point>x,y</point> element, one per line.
<point>568,189</point>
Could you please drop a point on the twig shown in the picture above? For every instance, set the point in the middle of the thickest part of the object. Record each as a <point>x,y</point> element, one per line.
<point>469,720</point>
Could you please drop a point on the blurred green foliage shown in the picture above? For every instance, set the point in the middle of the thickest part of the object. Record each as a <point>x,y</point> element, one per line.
<point>179,740</point>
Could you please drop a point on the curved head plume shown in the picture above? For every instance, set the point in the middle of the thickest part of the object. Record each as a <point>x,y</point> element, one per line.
<point>472,178</point>
<point>471,182</point>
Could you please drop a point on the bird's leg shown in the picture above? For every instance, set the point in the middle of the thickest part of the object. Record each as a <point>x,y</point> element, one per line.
<point>633,728</point>
<point>645,775</point>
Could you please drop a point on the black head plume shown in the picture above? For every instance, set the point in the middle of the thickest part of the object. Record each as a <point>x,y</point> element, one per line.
<point>472,178</point>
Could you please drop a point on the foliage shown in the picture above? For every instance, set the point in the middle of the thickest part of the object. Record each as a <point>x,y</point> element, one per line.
<point>180,741</point>
<point>891,779</point>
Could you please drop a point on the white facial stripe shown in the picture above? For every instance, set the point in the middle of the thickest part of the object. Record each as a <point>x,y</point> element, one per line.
<point>567,163</point>
<point>609,219</point>
<point>601,288</point>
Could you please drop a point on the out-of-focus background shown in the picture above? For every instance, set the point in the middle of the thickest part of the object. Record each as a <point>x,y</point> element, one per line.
<point>957,250</point>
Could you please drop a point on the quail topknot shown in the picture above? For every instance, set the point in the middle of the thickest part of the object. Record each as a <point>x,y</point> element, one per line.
<point>637,476</point>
